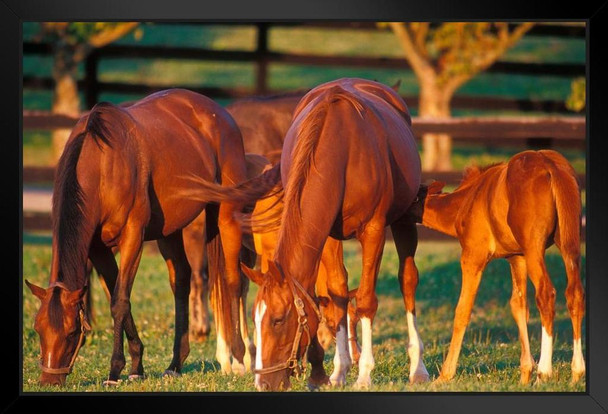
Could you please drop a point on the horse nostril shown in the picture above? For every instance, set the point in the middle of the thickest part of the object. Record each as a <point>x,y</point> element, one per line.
<point>264,386</point>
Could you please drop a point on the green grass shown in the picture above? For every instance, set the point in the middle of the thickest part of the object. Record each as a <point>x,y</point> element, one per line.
<point>489,360</point>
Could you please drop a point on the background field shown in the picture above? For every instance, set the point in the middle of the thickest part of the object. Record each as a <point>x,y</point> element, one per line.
<point>490,357</point>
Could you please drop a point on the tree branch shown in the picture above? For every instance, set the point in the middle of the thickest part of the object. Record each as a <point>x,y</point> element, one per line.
<point>111,34</point>
<point>419,62</point>
<point>505,41</point>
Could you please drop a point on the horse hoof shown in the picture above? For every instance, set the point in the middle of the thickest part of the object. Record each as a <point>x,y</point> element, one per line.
<point>171,373</point>
<point>362,385</point>
<point>318,383</point>
<point>238,368</point>
<point>576,376</point>
<point>111,383</point>
<point>419,377</point>
<point>338,381</point>
<point>135,377</point>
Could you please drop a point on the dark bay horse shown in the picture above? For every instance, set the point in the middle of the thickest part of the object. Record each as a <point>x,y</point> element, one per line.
<point>349,167</point>
<point>115,188</point>
<point>514,210</point>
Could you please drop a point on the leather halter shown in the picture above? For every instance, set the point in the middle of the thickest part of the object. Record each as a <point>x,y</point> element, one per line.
<point>292,361</point>
<point>84,328</point>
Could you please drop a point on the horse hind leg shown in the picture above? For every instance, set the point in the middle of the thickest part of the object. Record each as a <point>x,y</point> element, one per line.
<point>406,241</point>
<point>545,301</point>
<point>249,258</point>
<point>172,249</point>
<point>194,246</point>
<point>520,311</point>
<point>575,300</point>
<point>372,246</point>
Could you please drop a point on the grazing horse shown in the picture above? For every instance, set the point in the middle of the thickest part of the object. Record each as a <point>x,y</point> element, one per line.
<point>264,224</point>
<point>115,188</point>
<point>514,210</point>
<point>349,168</point>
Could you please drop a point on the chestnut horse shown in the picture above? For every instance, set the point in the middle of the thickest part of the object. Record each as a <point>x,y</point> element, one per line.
<point>264,224</point>
<point>114,188</point>
<point>514,210</point>
<point>349,167</point>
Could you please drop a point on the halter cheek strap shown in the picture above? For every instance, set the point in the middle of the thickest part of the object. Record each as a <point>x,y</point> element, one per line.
<point>84,328</point>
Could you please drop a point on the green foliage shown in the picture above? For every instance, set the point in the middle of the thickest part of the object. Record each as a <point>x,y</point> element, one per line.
<point>75,33</point>
<point>577,99</point>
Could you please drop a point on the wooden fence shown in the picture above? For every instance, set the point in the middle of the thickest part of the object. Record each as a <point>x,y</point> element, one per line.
<point>532,132</point>
<point>262,57</point>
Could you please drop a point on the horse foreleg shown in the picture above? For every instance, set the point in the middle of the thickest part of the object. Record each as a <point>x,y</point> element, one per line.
<point>337,288</point>
<point>130,247</point>
<point>405,237</point>
<point>472,264</point>
<point>372,246</point>
<point>315,355</point>
<point>520,311</point>
<point>172,249</point>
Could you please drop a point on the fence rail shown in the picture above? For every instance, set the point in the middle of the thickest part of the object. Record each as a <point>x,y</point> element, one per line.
<point>262,57</point>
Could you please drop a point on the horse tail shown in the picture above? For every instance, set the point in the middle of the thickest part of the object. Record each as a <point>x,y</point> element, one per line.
<point>218,290</point>
<point>566,192</point>
<point>246,192</point>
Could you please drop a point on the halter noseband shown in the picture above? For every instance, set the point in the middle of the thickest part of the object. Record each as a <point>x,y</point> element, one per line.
<point>84,328</point>
<point>292,361</point>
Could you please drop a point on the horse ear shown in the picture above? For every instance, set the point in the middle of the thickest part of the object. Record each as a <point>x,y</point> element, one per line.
<point>435,187</point>
<point>76,296</point>
<point>396,86</point>
<point>273,271</point>
<point>254,275</point>
<point>39,292</point>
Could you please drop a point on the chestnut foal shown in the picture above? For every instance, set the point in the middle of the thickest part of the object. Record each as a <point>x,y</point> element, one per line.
<point>514,210</point>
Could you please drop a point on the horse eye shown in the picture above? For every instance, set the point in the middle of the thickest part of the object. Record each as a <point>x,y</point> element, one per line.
<point>278,321</point>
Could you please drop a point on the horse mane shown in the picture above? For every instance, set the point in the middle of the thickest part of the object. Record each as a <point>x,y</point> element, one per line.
<point>69,200</point>
<point>309,133</point>
<point>472,172</point>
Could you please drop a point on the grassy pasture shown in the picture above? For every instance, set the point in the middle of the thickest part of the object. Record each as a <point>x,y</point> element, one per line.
<point>489,360</point>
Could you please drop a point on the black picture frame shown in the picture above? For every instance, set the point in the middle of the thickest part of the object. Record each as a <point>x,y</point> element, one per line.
<point>14,12</point>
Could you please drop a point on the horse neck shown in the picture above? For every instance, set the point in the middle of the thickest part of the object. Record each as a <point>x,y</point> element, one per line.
<point>440,211</point>
<point>71,269</point>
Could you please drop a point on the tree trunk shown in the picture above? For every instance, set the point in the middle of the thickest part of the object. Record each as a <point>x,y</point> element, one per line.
<point>65,100</point>
<point>436,148</point>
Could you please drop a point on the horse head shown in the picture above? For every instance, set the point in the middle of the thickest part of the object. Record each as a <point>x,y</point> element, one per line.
<point>61,325</point>
<point>286,317</point>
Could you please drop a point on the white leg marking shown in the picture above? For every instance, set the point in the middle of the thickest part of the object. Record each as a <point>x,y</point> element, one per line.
<point>350,335</point>
<point>418,372</point>
<point>222,353</point>
<point>342,361</point>
<point>578,362</point>
<point>366,360</point>
<point>259,314</point>
<point>237,367</point>
<point>546,351</point>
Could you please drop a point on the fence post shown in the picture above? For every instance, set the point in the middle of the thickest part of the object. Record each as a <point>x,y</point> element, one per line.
<point>539,143</point>
<point>261,86</point>
<point>91,86</point>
